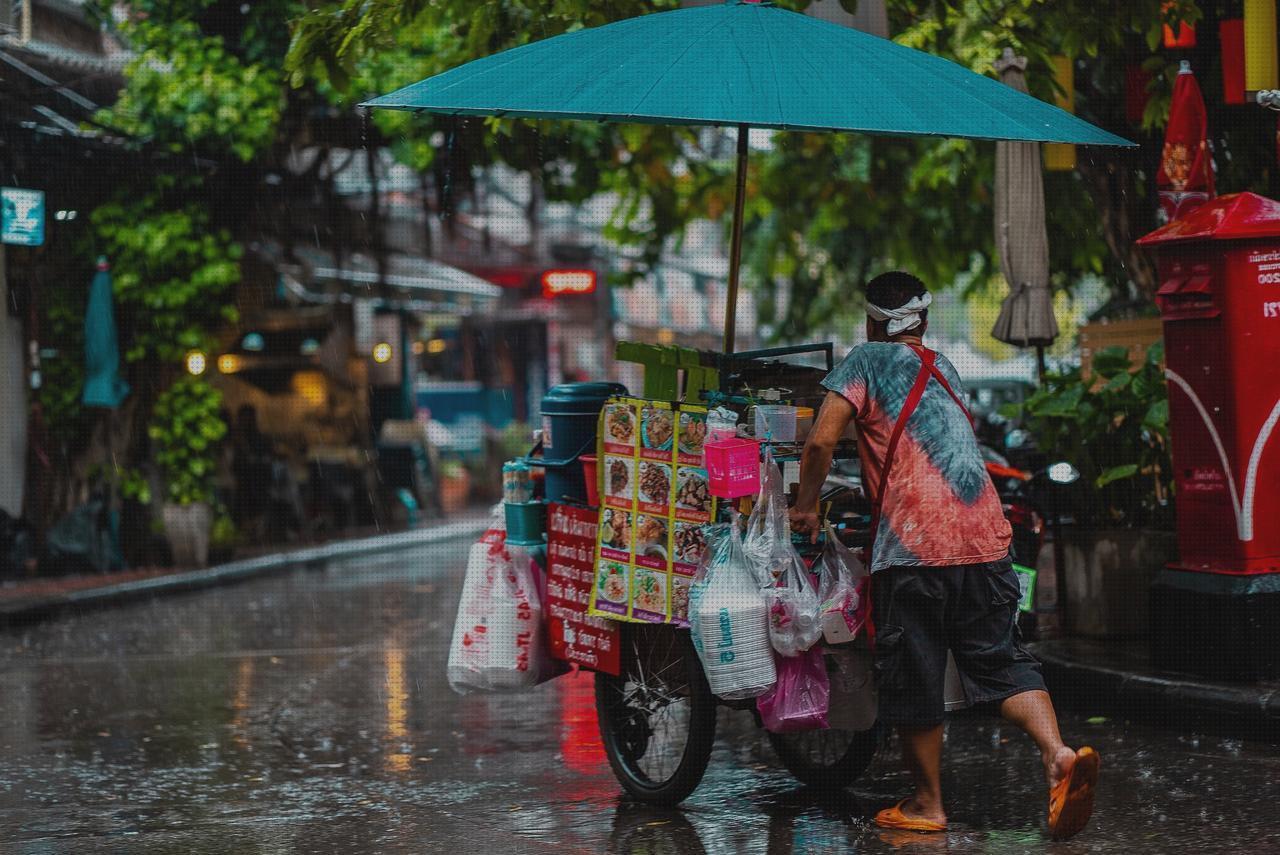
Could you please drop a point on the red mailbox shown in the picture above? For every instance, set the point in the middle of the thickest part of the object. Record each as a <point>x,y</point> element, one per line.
<point>1219,296</point>
<point>1217,611</point>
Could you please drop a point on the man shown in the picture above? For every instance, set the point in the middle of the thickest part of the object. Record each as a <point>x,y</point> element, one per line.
<point>942,578</point>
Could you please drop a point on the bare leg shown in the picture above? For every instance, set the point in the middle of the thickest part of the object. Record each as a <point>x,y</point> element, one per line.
<point>1033,712</point>
<point>922,755</point>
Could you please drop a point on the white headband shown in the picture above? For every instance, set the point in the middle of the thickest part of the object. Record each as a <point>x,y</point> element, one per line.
<point>904,317</point>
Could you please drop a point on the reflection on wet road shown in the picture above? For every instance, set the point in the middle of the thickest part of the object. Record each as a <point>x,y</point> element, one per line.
<point>309,713</point>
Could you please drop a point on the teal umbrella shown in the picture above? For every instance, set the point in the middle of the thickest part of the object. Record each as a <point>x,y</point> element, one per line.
<point>103,385</point>
<point>749,65</point>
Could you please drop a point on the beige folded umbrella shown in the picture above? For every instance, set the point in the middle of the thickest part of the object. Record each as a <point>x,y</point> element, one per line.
<point>1026,317</point>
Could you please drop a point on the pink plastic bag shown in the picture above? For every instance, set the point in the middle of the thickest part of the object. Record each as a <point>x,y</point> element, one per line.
<point>800,699</point>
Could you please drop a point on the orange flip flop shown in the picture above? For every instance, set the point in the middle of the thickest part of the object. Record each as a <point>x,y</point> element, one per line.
<point>1071,799</point>
<point>894,818</point>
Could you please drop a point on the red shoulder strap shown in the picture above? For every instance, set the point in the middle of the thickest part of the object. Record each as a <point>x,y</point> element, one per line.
<point>941,378</point>
<point>908,407</point>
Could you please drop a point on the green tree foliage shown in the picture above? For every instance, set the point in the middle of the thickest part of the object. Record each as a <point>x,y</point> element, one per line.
<point>172,273</point>
<point>187,93</point>
<point>1114,428</point>
<point>185,429</point>
<point>826,211</point>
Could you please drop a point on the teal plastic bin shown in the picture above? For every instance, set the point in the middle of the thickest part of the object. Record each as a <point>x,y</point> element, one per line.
<point>526,522</point>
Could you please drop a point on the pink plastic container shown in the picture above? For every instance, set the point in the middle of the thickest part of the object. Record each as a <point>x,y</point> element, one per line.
<point>733,467</point>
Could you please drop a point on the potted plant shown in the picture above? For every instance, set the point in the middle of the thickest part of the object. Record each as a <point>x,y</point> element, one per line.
<point>185,429</point>
<point>455,486</point>
<point>1113,427</point>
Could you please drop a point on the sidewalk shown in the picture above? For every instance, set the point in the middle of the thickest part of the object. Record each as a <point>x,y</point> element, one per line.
<point>1115,677</point>
<point>42,597</point>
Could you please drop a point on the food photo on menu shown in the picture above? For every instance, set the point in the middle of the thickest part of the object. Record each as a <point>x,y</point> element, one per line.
<point>612,587</point>
<point>658,428</point>
<point>651,536</point>
<point>619,475</point>
<point>692,491</point>
<point>620,424</point>
<point>615,533</point>
<point>690,543</point>
<point>650,593</point>
<point>693,433</point>
<point>680,599</point>
<point>655,483</point>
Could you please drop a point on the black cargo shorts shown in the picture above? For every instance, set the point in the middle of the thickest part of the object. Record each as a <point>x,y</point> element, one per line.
<point>922,612</point>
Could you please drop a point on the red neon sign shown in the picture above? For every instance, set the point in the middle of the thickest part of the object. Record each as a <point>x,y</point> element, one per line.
<point>556,283</point>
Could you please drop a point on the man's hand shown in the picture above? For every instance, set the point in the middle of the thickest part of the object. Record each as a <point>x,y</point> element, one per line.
<point>804,522</point>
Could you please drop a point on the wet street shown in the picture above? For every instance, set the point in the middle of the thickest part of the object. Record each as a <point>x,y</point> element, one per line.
<point>308,712</point>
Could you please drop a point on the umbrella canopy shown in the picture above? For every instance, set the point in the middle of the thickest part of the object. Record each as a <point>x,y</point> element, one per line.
<point>103,385</point>
<point>741,63</point>
<point>746,64</point>
<point>1026,317</point>
<point>1185,177</point>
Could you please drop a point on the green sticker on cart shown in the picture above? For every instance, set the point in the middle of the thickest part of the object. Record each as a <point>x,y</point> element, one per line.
<point>1027,587</point>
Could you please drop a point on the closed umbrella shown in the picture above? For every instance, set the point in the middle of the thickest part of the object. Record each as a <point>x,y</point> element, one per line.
<point>1022,243</point>
<point>1185,178</point>
<point>103,385</point>
<point>744,64</point>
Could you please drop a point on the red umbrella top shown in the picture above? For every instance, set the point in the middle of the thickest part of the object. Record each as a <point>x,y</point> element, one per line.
<point>1185,178</point>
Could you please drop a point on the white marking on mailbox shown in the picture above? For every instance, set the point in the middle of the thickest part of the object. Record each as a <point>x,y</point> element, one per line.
<point>1242,505</point>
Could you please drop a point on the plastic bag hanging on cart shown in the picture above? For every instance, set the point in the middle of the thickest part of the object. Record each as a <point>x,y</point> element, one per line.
<point>498,636</point>
<point>729,621</point>
<point>714,539</point>
<point>801,697</point>
<point>842,591</point>
<point>768,527</point>
<point>794,624</point>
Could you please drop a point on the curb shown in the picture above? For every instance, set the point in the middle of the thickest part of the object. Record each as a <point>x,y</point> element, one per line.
<point>40,608</point>
<point>1238,708</point>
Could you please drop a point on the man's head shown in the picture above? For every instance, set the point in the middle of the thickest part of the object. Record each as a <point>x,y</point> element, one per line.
<point>897,306</point>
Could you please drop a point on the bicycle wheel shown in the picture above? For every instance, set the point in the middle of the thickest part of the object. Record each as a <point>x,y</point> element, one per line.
<point>829,759</point>
<point>658,717</point>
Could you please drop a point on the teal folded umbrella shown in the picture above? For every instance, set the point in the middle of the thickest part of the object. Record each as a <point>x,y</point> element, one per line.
<point>103,385</point>
<point>745,64</point>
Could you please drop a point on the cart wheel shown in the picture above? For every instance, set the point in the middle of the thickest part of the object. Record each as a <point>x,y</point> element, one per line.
<point>658,717</point>
<point>828,759</point>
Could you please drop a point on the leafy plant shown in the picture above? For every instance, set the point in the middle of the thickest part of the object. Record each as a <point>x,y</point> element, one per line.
<point>171,272</point>
<point>223,534</point>
<point>135,485</point>
<point>186,92</point>
<point>186,427</point>
<point>1114,428</point>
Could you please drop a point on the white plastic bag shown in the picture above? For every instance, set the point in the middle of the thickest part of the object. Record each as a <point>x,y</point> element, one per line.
<point>842,592</point>
<point>498,637</point>
<point>729,621</point>
<point>768,526</point>
<point>794,625</point>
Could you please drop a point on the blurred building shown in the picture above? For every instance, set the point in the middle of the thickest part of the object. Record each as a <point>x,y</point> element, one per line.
<point>57,67</point>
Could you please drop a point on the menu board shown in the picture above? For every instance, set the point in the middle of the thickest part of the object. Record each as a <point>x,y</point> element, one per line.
<point>654,502</point>
<point>576,637</point>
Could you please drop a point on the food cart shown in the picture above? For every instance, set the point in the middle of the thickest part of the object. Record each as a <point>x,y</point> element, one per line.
<point>622,556</point>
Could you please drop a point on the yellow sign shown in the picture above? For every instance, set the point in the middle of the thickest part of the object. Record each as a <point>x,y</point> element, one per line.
<point>654,501</point>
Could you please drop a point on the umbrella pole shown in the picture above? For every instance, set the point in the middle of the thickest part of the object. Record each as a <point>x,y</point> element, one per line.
<point>735,244</point>
<point>1040,362</point>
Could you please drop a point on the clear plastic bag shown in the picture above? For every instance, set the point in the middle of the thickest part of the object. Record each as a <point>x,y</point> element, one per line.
<point>729,621</point>
<point>842,593</point>
<point>499,642</point>
<point>794,624</point>
<point>800,699</point>
<point>768,527</point>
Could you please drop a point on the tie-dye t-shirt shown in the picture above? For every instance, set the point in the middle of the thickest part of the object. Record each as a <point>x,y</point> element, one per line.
<point>941,507</point>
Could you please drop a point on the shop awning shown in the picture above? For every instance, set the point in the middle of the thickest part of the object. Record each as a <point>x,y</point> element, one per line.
<point>408,282</point>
